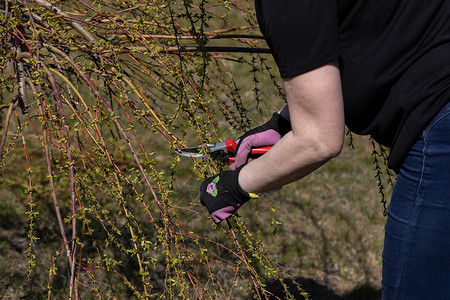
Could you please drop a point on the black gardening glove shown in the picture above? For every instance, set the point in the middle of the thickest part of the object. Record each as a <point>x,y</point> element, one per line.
<point>222,195</point>
<point>267,134</point>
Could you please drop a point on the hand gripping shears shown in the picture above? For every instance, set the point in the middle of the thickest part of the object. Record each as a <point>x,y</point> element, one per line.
<point>222,151</point>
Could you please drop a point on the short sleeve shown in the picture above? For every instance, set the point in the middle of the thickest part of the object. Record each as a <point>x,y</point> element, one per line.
<point>302,34</point>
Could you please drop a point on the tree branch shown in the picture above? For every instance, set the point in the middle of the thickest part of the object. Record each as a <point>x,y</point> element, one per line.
<point>83,31</point>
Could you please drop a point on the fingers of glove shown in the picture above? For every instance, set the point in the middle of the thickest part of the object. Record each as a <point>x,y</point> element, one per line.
<point>223,213</point>
<point>276,123</point>
<point>266,138</point>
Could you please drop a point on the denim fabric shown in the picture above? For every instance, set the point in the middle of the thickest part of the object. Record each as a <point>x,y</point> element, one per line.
<point>416,255</point>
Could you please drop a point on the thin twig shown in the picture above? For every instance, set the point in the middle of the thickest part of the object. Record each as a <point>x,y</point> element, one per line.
<point>85,33</point>
<point>64,126</point>
<point>11,107</point>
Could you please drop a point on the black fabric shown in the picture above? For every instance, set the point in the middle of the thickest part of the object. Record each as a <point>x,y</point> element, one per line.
<point>295,36</point>
<point>224,192</point>
<point>393,54</point>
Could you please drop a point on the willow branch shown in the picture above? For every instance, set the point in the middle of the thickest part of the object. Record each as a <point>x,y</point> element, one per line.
<point>191,49</point>
<point>85,33</point>
<point>11,107</point>
<point>147,104</point>
<point>52,183</point>
<point>53,193</point>
<point>110,111</point>
<point>62,117</point>
<point>3,106</point>
<point>20,76</point>
<point>191,37</point>
<point>215,49</point>
<point>6,8</point>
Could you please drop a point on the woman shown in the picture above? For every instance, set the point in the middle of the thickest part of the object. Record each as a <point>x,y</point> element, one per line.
<point>381,67</point>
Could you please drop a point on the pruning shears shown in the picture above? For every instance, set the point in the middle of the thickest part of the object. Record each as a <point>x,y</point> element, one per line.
<point>221,151</point>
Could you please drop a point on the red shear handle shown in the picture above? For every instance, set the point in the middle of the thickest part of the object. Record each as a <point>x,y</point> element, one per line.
<point>260,150</point>
<point>231,148</point>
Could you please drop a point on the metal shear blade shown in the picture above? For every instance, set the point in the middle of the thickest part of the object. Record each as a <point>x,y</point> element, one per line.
<point>194,152</point>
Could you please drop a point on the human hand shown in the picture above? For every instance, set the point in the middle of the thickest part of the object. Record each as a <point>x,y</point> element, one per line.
<point>267,134</point>
<point>222,195</point>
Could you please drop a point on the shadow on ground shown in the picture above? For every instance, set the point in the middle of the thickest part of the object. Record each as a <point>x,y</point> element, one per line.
<point>321,292</point>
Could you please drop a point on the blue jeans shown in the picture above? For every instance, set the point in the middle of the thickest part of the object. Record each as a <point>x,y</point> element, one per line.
<point>416,255</point>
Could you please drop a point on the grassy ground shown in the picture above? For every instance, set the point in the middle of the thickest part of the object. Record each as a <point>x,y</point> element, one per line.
<point>326,230</point>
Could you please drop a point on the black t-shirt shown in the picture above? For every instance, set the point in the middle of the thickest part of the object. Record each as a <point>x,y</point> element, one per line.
<point>394,58</point>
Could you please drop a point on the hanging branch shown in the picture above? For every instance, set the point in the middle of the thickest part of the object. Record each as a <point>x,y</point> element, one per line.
<point>85,33</point>
<point>111,89</point>
<point>10,107</point>
<point>187,49</point>
<point>71,163</point>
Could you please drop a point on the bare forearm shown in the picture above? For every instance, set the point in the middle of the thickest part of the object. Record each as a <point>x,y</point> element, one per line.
<point>317,118</point>
<point>289,160</point>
